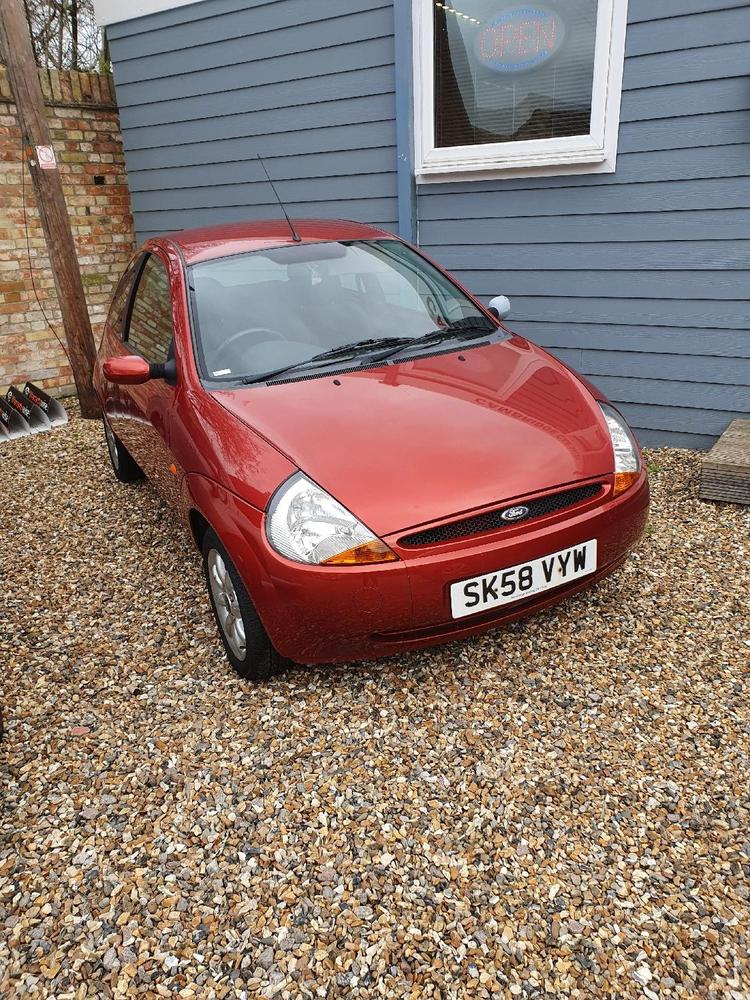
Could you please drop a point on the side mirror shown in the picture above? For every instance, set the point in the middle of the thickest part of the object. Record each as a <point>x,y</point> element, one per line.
<point>132,369</point>
<point>499,306</point>
<point>128,370</point>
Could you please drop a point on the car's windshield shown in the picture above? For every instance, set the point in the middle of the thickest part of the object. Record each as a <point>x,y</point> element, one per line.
<point>262,311</point>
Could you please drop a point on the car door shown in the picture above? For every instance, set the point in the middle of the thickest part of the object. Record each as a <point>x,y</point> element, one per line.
<point>145,410</point>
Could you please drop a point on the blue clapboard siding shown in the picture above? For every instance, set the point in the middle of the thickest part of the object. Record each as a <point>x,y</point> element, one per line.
<point>203,88</point>
<point>639,279</point>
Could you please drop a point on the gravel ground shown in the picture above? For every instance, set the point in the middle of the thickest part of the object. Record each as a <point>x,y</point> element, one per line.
<point>558,809</point>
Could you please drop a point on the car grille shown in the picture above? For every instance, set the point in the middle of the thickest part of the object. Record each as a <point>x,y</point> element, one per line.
<point>491,520</point>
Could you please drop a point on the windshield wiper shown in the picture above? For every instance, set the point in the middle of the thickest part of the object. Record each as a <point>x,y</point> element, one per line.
<point>467,328</point>
<point>358,345</point>
<point>322,359</point>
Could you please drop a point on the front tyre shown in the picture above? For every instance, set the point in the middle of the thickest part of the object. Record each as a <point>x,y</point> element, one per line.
<point>124,466</point>
<point>246,642</point>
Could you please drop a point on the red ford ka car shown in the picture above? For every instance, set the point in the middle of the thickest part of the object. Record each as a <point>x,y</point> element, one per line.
<point>367,458</point>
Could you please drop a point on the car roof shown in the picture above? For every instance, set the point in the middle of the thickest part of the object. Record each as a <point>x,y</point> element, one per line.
<point>211,242</point>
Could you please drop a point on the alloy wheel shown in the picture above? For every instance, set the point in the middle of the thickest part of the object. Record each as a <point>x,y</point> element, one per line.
<point>226,603</point>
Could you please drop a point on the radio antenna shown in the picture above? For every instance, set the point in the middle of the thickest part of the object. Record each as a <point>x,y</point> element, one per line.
<point>295,235</point>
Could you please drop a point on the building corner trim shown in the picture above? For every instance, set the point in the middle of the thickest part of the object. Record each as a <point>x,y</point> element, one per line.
<point>406,191</point>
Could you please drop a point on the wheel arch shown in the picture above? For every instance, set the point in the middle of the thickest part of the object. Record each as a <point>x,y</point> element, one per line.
<point>209,506</point>
<point>199,525</point>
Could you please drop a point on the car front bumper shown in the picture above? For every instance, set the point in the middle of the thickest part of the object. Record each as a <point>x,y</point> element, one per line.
<point>318,614</point>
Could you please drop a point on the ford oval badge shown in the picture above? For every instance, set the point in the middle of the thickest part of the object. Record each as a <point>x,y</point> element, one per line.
<point>515,513</point>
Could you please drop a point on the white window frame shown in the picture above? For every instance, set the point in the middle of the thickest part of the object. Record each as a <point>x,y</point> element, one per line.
<point>593,153</point>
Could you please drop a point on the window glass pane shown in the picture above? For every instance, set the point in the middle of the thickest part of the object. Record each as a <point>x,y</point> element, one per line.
<point>511,72</point>
<point>150,328</point>
<point>258,311</point>
<point>116,315</point>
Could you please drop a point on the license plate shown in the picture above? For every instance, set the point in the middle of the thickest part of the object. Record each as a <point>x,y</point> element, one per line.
<point>480,593</point>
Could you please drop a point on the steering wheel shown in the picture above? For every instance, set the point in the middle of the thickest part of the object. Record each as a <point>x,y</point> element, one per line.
<point>250,331</point>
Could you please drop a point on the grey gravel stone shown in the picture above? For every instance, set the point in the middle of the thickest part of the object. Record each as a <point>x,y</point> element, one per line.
<point>538,812</point>
<point>110,960</point>
<point>265,961</point>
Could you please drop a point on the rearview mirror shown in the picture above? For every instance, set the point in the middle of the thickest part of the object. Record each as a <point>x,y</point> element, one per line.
<point>499,306</point>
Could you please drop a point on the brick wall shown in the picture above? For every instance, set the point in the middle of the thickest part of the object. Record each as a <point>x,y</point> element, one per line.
<point>86,136</point>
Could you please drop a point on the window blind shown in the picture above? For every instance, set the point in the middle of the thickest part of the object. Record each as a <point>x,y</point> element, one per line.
<point>505,73</point>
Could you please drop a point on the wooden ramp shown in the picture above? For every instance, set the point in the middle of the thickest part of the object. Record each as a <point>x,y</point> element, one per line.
<point>725,470</point>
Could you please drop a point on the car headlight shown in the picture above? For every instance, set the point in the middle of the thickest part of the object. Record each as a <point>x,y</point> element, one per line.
<point>627,455</point>
<point>306,524</point>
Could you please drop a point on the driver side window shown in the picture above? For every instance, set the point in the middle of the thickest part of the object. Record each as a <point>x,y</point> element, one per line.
<point>150,325</point>
<point>121,298</point>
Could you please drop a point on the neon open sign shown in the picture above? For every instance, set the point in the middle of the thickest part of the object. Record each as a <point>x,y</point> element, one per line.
<point>519,38</point>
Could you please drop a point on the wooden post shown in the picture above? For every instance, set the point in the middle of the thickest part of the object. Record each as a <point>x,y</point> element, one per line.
<point>15,43</point>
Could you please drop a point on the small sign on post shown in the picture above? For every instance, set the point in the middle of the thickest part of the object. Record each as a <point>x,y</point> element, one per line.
<point>45,157</point>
